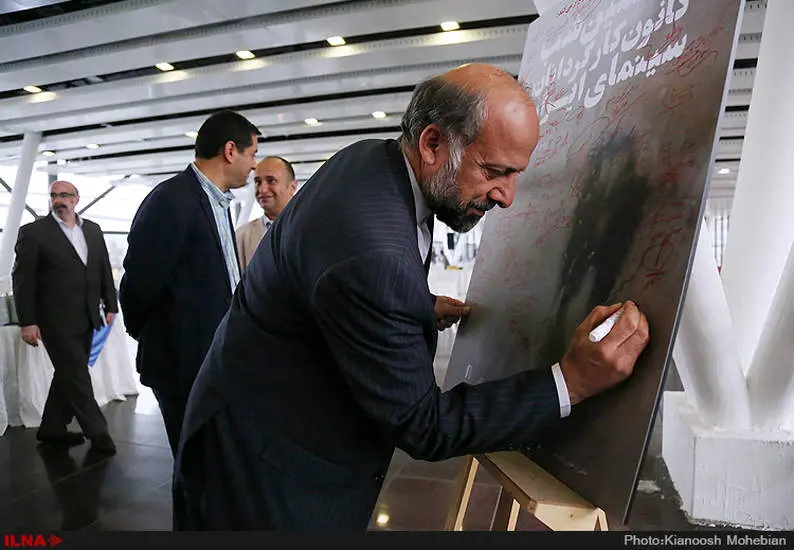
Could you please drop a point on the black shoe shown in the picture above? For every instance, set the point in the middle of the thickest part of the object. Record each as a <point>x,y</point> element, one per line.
<point>103,444</point>
<point>63,438</point>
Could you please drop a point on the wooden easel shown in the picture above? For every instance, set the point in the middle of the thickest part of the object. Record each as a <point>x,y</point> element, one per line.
<point>524,485</point>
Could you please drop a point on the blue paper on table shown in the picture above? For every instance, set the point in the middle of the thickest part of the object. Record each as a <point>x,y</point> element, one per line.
<point>98,342</point>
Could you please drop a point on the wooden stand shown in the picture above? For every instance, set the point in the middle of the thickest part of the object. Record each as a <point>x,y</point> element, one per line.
<point>524,485</point>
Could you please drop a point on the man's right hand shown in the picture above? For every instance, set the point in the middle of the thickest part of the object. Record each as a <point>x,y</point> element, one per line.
<point>31,335</point>
<point>592,367</point>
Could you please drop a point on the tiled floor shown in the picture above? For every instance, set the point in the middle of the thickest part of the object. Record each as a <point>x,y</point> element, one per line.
<point>44,490</point>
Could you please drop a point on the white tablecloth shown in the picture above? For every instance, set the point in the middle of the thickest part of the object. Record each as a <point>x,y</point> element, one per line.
<point>26,373</point>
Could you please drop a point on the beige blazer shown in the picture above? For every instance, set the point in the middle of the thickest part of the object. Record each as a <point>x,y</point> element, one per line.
<point>248,238</point>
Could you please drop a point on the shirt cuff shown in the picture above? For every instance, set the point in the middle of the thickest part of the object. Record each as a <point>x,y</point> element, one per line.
<point>562,390</point>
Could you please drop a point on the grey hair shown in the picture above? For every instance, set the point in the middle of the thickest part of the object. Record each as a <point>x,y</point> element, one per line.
<point>76,191</point>
<point>458,113</point>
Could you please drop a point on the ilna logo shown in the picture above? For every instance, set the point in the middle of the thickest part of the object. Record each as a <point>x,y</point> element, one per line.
<point>28,541</point>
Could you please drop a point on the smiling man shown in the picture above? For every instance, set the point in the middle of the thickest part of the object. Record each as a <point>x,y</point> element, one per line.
<point>275,184</point>
<point>324,362</point>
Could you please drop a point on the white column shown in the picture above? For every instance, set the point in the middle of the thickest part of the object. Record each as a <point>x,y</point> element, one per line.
<point>248,204</point>
<point>30,145</point>
<point>704,351</point>
<point>762,223</point>
<point>545,5</point>
<point>770,380</point>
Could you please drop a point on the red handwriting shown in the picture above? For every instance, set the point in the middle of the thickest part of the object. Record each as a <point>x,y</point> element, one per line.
<point>549,151</point>
<point>528,212</point>
<point>551,96</point>
<point>585,10</point>
<point>677,97</point>
<point>670,38</point>
<point>514,326</point>
<point>657,256</point>
<point>577,114</point>
<point>588,135</point>
<point>620,103</point>
<point>696,53</point>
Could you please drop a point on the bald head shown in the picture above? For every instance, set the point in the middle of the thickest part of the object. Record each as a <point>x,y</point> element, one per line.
<point>63,199</point>
<point>275,185</point>
<point>63,184</point>
<point>468,133</point>
<point>460,101</point>
<point>480,77</point>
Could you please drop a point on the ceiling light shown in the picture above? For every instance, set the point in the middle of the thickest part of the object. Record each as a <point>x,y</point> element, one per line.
<point>382,519</point>
<point>450,26</point>
<point>311,121</point>
<point>92,146</point>
<point>379,114</point>
<point>48,153</point>
<point>724,171</point>
<point>336,40</point>
<point>32,89</point>
<point>193,135</point>
<point>244,54</point>
<point>165,67</point>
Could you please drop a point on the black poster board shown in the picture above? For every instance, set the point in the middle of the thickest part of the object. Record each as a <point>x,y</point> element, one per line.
<point>629,94</point>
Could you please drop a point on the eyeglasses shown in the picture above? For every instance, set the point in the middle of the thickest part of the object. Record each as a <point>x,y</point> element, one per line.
<point>63,195</point>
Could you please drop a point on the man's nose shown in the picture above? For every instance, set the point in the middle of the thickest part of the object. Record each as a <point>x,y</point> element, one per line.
<point>504,194</point>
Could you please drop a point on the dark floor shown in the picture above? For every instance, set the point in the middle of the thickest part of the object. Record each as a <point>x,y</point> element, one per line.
<point>49,490</point>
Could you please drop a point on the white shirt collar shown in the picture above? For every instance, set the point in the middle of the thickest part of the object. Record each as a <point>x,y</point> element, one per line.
<point>423,212</point>
<point>63,223</point>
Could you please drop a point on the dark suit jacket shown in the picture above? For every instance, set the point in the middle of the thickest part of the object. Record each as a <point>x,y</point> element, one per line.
<point>324,362</point>
<point>175,288</point>
<point>52,286</point>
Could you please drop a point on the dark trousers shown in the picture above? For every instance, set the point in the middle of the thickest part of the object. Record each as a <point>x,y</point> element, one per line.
<point>172,407</point>
<point>71,393</point>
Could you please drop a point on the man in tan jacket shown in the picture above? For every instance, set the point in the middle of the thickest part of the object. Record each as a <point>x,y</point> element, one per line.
<point>275,184</point>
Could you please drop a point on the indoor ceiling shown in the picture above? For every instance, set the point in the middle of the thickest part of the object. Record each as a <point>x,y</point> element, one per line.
<point>105,109</point>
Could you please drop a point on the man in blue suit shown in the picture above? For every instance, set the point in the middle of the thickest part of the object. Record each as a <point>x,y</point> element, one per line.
<point>324,362</point>
<point>181,266</point>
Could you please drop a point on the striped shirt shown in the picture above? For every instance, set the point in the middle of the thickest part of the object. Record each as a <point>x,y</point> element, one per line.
<point>220,201</point>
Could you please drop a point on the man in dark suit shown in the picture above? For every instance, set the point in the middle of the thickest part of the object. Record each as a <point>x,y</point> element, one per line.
<point>181,266</point>
<point>61,273</point>
<point>324,362</point>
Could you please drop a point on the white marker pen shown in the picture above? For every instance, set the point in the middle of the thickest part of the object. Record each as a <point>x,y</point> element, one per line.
<point>598,333</point>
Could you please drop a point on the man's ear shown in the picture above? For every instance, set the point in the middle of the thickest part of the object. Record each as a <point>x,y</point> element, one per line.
<point>431,145</point>
<point>229,150</point>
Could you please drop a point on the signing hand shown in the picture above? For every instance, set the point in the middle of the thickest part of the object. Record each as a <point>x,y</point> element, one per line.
<point>449,311</point>
<point>592,367</point>
<point>31,335</point>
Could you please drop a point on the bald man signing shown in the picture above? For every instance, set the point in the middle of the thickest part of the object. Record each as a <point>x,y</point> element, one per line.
<point>324,362</point>
<point>61,274</point>
<point>275,183</point>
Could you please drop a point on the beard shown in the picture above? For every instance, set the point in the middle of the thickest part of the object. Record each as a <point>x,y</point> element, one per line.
<point>443,198</point>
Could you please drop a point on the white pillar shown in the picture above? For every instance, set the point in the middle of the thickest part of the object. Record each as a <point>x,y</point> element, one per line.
<point>30,145</point>
<point>704,351</point>
<point>545,5</point>
<point>762,224</point>
<point>248,204</point>
<point>770,380</point>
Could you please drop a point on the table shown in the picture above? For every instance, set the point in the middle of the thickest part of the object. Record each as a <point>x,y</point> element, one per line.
<point>26,373</point>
